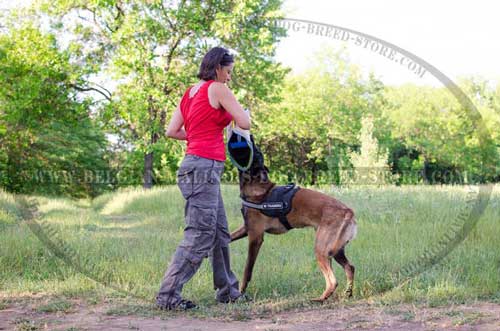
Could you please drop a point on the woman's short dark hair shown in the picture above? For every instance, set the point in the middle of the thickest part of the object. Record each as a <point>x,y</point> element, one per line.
<point>215,58</point>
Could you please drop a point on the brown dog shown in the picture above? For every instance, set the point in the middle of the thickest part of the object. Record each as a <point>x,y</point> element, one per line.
<point>334,223</point>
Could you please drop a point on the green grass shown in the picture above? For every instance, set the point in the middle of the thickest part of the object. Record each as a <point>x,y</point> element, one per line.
<point>53,306</point>
<point>125,240</point>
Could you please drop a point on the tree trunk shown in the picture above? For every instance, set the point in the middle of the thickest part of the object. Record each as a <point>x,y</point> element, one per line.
<point>426,171</point>
<point>314,172</point>
<point>148,170</point>
<point>148,158</point>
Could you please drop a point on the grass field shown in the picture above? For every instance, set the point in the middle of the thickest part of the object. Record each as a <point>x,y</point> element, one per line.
<point>125,240</point>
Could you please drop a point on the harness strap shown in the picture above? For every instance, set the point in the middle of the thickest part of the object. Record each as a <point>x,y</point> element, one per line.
<point>269,206</point>
<point>284,221</point>
<point>263,206</point>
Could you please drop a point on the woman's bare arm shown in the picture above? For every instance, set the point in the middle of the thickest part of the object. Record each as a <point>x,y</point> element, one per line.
<point>175,128</point>
<point>227,99</point>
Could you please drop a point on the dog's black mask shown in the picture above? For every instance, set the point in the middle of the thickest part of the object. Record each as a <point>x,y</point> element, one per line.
<point>257,168</point>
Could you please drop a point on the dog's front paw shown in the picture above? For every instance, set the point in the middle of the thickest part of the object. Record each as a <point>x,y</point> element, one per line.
<point>318,300</point>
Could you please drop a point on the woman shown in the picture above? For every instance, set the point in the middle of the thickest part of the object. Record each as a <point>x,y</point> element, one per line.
<point>203,112</point>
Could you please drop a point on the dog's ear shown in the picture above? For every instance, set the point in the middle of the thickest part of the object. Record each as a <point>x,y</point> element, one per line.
<point>264,178</point>
<point>258,157</point>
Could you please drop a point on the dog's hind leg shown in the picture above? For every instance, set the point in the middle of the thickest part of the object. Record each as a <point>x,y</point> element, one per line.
<point>345,233</point>
<point>322,250</point>
<point>238,234</point>
<point>254,243</point>
<point>349,271</point>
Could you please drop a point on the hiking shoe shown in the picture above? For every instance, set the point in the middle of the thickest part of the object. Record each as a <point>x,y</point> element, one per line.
<point>181,305</point>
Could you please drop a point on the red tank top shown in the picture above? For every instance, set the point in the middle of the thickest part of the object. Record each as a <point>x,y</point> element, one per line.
<point>204,124</point>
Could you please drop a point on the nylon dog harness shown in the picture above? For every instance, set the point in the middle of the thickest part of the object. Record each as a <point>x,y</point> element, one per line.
<point>278,203</point>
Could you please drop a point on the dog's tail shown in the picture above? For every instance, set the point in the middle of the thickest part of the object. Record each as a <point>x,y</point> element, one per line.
<point>347,232</point>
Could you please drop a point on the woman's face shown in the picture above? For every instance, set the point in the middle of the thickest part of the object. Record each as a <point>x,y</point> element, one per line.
<point>224,73</point>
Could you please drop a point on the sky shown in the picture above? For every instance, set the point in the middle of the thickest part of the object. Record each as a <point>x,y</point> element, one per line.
<point>459,38</point>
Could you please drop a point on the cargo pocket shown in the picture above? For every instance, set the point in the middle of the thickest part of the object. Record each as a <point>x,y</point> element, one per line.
<point>185,178</point>
<point>199,235</point>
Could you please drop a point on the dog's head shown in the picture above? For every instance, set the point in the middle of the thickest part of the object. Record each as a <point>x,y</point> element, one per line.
<point>256,176</point>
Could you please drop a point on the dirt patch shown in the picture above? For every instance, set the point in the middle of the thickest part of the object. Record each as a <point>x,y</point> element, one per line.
<point>78,315</point>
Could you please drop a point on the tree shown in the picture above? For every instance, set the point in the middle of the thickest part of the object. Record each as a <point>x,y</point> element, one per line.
<point>153,48</point>
<point>308,135</point>
<point>49,142</point>
<point>371,163</point>
<point>437,134</point>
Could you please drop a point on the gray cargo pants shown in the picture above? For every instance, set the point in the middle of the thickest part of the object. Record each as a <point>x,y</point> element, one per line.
<point>206,233</point>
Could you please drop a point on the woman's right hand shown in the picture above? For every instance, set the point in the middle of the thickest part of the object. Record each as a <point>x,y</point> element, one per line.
<point>225,98</point>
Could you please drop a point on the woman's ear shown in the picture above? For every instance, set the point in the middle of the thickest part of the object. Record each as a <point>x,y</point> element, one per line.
<point>218,69</point>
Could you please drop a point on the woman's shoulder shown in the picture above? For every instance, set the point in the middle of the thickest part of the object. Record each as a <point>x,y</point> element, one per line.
<point>186,92</point>
<point>218,87</point>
